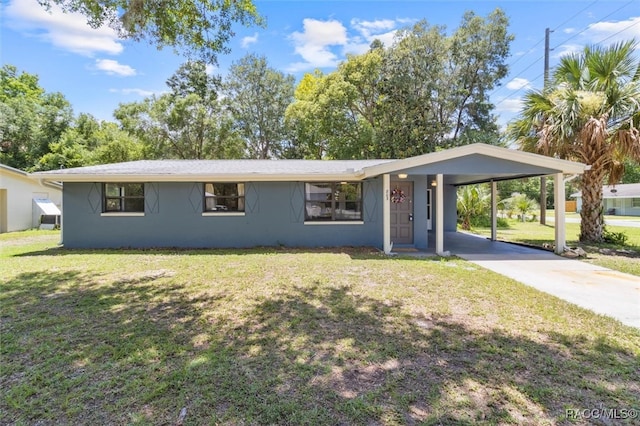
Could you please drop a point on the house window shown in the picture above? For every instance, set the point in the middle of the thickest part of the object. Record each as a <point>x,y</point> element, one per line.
<point>224,197</point>
<point>635,202</point>
<point>333,201</point>
<point>123,197</point>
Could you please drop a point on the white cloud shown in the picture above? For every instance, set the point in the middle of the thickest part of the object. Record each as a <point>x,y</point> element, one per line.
<point>112,67</point>
<point>356,47</point>
<point>567,49</point>
<point>569,30</point>
<point>509,105</point>
<point>315,42</point>
<point>382,29</point>
<point>370,28</point>
<point>606,32</point>
<point>518,84</point>
<point>318,42</point>
<point>249,40</point>
<point>614,31</point>
<point>407,21</point>
<point>68,31</point>
<point>133,91</point>
<point>209,69</point>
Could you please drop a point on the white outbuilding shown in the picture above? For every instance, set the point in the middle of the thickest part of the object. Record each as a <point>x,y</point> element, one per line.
<point>27,203</point>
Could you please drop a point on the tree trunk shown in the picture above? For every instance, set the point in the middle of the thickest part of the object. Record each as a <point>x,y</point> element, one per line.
<point>591,214</point>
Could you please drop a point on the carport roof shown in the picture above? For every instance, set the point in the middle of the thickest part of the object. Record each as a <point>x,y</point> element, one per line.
<point>462,165</point>
<point>479,163</point>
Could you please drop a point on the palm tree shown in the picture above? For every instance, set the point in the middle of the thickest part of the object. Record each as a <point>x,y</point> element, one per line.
<point>473,202</point>
<point>589,113</point>
<point>523,204</point>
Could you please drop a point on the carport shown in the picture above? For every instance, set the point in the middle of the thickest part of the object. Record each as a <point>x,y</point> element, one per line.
<point>442,172</point>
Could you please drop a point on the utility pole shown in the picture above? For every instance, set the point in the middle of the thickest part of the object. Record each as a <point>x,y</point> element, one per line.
<point>546,56</point>
<point>543,179</point>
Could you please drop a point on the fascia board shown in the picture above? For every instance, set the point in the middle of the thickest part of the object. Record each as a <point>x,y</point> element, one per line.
<point>564,166</point>
<point>619,197</point>
<point>240,177</point>
<point>10,172</point>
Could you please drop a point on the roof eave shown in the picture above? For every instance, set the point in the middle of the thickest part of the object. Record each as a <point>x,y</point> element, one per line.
<point>236,177</point>
<point>565,166</point>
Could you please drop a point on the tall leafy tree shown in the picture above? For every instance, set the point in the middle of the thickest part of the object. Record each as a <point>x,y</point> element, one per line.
<point>334,115</point>
<point>436,86</point>
<point>189,122</point>
<point>427,91</point>
<point>199,28</point>
<point>413,72</point>
<point>90,142</point>
<point>307,130</point>
<point>479,49</point>
<point>115,145</point>
<point>631,172</point>
<point>590,113</point>
<point>30,118</point>
<point>257,96</point>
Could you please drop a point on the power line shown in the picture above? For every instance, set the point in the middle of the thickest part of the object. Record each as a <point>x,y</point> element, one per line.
<point>622,30</point>
<point>578,13</point>
<point>517,91</point>
<point>559,45</point>
<point>589,26</point>
<point>540,41</point>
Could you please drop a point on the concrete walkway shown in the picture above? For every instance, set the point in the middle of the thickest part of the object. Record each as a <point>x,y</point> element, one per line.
<point>599,289</point>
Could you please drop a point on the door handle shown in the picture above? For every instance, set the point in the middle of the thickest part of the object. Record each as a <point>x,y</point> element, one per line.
<point>410,218</point>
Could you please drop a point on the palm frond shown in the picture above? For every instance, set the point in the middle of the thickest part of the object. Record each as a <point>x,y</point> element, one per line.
<point>570,70</point>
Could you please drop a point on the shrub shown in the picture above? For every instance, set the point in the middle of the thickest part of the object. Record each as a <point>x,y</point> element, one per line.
<point>484,221</point>
<point>616,238</point>
<point>473,203</point>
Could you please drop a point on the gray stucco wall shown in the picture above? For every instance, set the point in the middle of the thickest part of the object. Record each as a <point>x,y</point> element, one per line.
<point>173,218</point>
<point>450,208</point>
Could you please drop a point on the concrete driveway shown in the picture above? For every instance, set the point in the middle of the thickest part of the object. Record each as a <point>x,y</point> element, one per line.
<point>599,289</point>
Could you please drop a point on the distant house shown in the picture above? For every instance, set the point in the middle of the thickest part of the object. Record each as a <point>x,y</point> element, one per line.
<point>620,200</point>
<point>306,203</point>
<point>26,203</point>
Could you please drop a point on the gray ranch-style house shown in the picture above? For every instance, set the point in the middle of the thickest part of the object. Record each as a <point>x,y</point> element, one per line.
<point>622,199</point>
<point>294,203</point>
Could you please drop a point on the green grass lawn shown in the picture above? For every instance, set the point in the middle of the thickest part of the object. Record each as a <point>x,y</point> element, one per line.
<point>275,336</point>
<point>536,234</point>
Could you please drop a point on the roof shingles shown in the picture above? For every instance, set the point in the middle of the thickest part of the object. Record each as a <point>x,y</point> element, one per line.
<point>221,167</point>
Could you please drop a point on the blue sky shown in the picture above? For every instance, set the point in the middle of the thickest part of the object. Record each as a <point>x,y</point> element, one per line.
<point>96,71</point>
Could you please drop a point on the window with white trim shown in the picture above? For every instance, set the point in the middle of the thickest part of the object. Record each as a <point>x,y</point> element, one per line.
<point>333,201</point>
<point>635,202</point>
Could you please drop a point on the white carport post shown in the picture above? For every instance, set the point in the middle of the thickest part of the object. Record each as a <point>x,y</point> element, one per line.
<point>62,223</point>
<point>559,202</point>
<point>386,213</point>
<point>494,210</point>
<point>440,215</point>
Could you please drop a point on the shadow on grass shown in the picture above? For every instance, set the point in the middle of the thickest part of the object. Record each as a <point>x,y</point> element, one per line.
<point>82,349</point>
<point>360,253</point>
